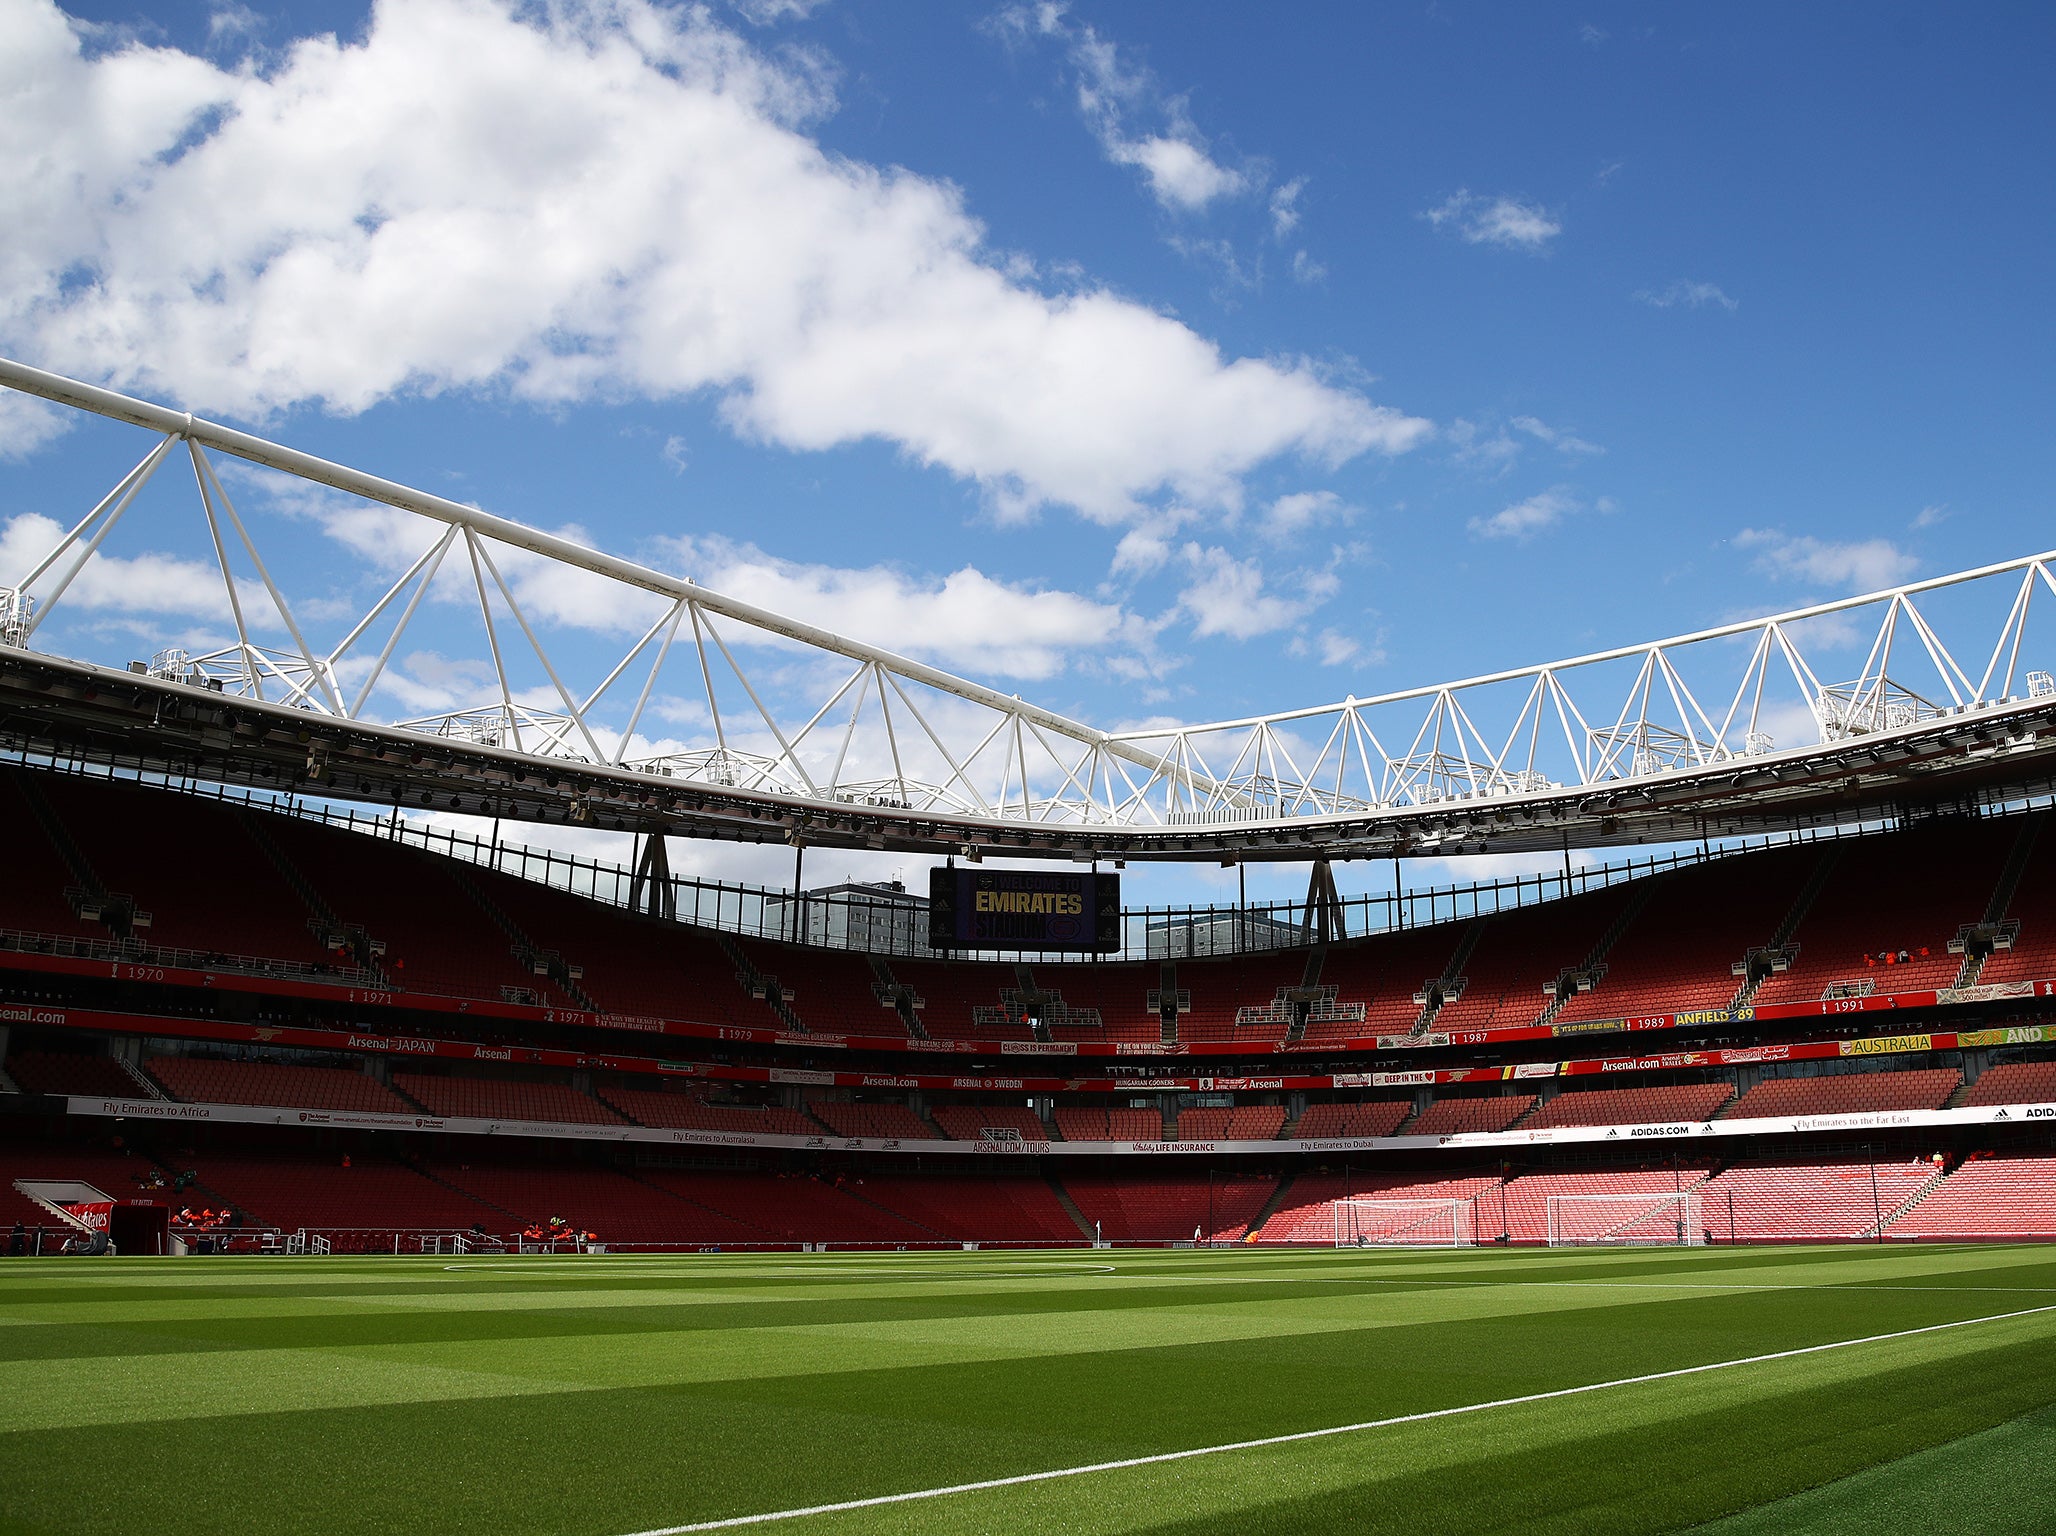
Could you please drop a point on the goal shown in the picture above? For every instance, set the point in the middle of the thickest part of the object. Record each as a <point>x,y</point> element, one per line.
<point>1403,1224</point>
<point>1645,1220</point>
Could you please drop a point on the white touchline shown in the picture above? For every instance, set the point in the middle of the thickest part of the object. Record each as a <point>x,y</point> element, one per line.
<point>881,1500</point>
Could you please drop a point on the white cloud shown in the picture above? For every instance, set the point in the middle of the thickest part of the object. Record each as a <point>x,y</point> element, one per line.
<point>1592,36</point>
<point>965,619</point>
<point>1863,565</point>
<point>146,583</point>
<point>1524,519</point>
<point>1143,550</point>
<point>1684,294</point>
<point>1174,157</point>
<point>1301,510</point>
<point>1564,442</point>
<point>1285,207</point>
<point>589,200</point>
<point>27,423</point>
<point>764,13</point>
<point>1180,173</point>
<point>1503,221</point>
<point>1226,596</point>
<point>674,453</point>
<point>1932,516</point>
<point>228,22</point>
<point>1332,648</point>
<point>1305,269</point>
<point>1493,449</point>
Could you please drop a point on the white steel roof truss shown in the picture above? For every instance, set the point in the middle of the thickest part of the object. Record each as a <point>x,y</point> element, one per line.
<point>784,746</point>
<point>205,469</point>
<point>424,566</point>
<point>228,580</point>
<point>2014,630</point>
<point>492,636</point>
<point>563,693</point>
<point>108,511</point>
<point>957,773</point>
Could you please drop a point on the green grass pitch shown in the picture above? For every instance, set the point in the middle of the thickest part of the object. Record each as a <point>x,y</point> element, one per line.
<point>604,1396</point>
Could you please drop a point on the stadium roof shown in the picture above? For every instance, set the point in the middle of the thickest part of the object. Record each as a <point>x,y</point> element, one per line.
<point>835,742</point>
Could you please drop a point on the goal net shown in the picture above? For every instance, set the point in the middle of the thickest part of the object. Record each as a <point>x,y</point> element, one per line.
<point>1648,1220</point>
<point>1403,1224</point>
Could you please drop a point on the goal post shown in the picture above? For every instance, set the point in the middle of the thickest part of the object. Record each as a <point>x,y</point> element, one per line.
<point>1404,1224</point>
<point>1644,1220</point>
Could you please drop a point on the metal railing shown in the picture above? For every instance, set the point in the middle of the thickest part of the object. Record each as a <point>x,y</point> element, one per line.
<point>854,922</point>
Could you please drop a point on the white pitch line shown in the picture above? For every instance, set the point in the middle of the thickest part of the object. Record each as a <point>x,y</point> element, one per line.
<point>880,1501</point>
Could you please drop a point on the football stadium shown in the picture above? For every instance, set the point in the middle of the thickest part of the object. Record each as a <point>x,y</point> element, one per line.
<point>499,1035</point>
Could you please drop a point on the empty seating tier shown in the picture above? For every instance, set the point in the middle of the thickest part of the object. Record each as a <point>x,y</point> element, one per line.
<point>989,1122</point>
<point>1306,1213</point>
<point>1991,1200</point>
<point>254,1082</point>
<point>1676,953</point>
<point>1451,1116</point>
<point>1374,1117</point>
<point>885,1121</point>
<point>1797,1202</point>
<point>1940,877</point>
<point>993,1210</point>
<point>483,1098</point>
<point>1110,1124</point>
<point>369,1195</point>
<point>1631,1106</point>
<point>63,1073</point>
<point>1245,1122</point>
<point>2015,1082</point>
<point>1847,1093</point>
<point>1170,1208</point>
<point>686,1112</point>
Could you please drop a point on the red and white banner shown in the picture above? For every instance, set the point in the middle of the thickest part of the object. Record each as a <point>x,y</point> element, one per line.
<point>93,1215</point>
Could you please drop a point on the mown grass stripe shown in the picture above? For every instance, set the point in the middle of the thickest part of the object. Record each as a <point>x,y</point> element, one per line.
<point>1054,1474</point>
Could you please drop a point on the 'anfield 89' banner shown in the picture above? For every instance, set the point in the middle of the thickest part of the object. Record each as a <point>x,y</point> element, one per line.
<point>1024,909</point>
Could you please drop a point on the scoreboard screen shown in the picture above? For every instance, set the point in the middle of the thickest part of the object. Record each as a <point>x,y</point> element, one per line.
<point>1023,909</point>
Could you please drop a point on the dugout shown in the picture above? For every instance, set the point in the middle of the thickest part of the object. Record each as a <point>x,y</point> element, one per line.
<point>140,1227</point>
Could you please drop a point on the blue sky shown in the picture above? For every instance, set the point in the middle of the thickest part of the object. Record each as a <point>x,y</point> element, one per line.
<point>1147,361</point>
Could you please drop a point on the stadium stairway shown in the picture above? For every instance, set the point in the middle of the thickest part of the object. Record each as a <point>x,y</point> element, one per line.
<point>855,1190</point>
<point>1448,986</point>
<point>526,951</point>
<point>145,1084</point>
<point>760,986</point>
<point>1594,962</point>
<point>416,1165</point>
<point>1170,1002</point>
<point>321,918</point>
<point>1907,1207</point>
<point>1309,978</point>
<point>2000,906</point>
<point>1056,1187</point>
<point>46,817</point>
<point>1755,965</point>
<point>709,1218</point>
<point>887,989</point>
<point>1271,1206</point>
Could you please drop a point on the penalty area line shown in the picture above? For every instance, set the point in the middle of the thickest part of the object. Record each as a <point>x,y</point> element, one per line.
<point>883,1500</point>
